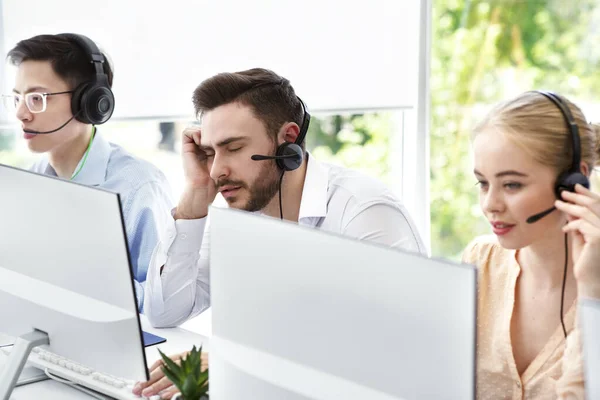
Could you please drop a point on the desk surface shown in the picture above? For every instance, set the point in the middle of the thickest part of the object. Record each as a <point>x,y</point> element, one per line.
<point>178,340</point>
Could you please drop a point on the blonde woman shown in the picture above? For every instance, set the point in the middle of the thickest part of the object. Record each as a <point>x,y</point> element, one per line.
<point>546,250</point>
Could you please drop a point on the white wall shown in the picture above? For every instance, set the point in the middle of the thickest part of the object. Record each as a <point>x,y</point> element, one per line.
<point>338,54</point>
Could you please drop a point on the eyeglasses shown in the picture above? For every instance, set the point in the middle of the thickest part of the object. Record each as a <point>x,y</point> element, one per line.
<point>35,102</point>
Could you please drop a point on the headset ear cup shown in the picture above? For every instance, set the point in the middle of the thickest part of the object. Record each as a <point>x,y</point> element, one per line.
<point>568,181</point>
<point>77,106</point>
<point>98,104</point>
<point>289,149</point>
<point>92,103</point>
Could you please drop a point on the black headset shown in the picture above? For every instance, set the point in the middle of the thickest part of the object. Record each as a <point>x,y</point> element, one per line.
<point>93,101</point>
<point>565,181</point>
<point>289,156</point>
<point>569,178</point>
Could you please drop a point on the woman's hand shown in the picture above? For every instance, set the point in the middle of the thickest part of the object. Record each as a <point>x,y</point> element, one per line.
<point>583,213</point>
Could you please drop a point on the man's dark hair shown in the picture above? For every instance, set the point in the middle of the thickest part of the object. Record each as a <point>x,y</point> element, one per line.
<point>69,61</point>
<point>270,96</point>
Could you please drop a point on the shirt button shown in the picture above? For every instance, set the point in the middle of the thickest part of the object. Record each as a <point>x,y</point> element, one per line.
<point>519,384</point>
<point>183,236</point>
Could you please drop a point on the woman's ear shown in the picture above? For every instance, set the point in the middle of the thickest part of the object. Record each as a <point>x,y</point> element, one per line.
<point>585,170</point>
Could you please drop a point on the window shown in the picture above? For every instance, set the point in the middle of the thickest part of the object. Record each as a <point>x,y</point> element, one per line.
<point>486,51</point>
<point>354,68</point>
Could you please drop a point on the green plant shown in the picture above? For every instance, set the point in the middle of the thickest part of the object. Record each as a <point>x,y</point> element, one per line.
<point>188,376</point>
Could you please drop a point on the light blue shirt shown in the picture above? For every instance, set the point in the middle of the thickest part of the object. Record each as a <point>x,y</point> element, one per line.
<point>146,198</point>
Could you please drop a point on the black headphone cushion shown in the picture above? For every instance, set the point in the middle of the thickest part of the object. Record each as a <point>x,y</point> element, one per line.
<point>568,180</point>
<point>92,103</point>
<point>76,101</point>
<point>291,163</point>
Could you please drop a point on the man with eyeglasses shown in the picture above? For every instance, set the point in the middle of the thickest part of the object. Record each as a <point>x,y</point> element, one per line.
<point>50,69</point>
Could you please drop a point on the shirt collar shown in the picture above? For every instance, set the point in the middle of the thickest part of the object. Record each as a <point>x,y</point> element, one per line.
<point>93,172</point>
<point>314,193</point>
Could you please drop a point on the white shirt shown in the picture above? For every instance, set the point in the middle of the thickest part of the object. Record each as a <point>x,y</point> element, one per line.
<point>334,199</point>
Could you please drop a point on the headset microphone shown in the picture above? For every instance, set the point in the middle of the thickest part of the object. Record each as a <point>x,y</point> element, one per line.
<point>537,217</point>
<point>258,157</point>
<point>45,132</point>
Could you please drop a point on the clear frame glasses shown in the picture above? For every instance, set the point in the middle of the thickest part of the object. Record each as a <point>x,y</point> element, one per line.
<point>36,102</point>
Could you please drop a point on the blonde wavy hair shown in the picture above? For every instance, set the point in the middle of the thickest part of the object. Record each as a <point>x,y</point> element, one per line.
<point>536,124</point>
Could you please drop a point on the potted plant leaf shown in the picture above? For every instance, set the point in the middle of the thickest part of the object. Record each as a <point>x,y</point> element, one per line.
<point>188,376</point>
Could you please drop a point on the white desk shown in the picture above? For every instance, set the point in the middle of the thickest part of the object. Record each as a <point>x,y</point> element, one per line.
<point>178,340</point>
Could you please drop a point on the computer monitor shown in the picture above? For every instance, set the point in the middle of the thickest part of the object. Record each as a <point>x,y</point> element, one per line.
<point>590,323</point>
<point>300,314</point>
<point>65,276</point>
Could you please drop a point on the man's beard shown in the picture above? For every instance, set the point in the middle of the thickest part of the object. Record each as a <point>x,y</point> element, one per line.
<point>262,190</point>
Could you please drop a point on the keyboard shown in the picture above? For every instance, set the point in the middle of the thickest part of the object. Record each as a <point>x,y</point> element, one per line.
<point>6,340</point>
<point>61,367</point>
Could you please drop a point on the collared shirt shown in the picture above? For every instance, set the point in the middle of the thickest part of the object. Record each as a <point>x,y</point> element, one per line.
<point>554,373</point>
<point>146,198</point>
<point>334,199</point>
